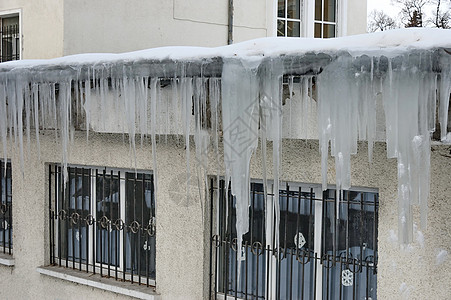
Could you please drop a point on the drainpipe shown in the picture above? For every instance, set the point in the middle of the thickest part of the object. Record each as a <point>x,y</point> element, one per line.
<point>230,24</point>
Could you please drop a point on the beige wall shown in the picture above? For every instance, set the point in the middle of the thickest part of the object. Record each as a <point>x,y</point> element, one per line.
<point>120,26</point>
<point>356,15</point>
<point>183,226</point>
<point>42,26</point>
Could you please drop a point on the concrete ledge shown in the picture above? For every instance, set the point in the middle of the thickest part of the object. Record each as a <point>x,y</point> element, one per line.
<point>6,260</point>
<point>107,284</point>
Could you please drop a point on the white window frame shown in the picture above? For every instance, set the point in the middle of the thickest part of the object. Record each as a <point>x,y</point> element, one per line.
<point>307,18</point>
<point>14,13</point>
<point>92,260</point>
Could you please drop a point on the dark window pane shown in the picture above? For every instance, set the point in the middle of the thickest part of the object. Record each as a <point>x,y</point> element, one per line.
<point>293,9</point>
<point>281,8</point>
<point>280,28</point>
<point>76,204</point>
<point>329,31</point>
<point>329,10</point>
<point>318,33</point>
<point>293,29</point>
<point>9,36</point>
<point>140,215</point>
<point>6,206</point>
<point>107,212</point>
<point>318,10</point>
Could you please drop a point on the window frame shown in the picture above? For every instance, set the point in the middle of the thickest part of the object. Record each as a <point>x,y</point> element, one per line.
<point>307,18</point>
<point>321,259</point>
<point>93,263</point>
<point>8,14</point>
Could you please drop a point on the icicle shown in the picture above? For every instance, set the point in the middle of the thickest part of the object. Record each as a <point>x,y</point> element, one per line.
<point>154,85</point>
<point>240,125</point>
<point>271,104</point>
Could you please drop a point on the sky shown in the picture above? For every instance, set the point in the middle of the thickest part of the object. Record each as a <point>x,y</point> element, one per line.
<point>384,5</point>
<point>390,9</point>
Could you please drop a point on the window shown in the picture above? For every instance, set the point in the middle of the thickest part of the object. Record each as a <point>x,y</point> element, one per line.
<point>289,18</point>
<point>325,18</point>
<point>103,221</point>
<point>6,237</point>
<point>10,38</point>
<point>319,256</point>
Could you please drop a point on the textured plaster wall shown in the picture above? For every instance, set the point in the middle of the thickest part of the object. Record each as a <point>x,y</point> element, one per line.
<point>183,224</point>
<point>120,26</point>
<point>180,235</point>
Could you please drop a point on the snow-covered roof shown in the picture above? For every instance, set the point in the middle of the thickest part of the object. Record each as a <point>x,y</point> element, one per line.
<point>297,53</point>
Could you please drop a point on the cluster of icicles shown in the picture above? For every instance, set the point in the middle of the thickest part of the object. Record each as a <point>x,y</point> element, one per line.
<point>243,106</point>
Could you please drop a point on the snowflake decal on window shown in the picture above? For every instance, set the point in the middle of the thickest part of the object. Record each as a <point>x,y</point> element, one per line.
<point>347,278</point>
<point>299,240</point>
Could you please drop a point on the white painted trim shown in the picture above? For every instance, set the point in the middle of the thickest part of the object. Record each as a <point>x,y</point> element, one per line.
<point>111,285</point>
<point>7,260</point>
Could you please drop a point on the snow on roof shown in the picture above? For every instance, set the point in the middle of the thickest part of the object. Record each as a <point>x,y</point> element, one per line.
<point>387,43</point>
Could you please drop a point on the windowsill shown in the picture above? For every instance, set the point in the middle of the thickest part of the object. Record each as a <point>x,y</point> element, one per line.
<point>7,260</point>
<point>94,280</point>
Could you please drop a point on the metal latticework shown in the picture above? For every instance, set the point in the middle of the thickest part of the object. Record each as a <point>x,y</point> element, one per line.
<point>6,237</point>
<point>103,222</point>
<point>311,254</point>
<point>10,43</point>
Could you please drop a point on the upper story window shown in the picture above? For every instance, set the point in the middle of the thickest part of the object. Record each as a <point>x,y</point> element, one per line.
<point>325,18</point>
<point>324,251</point>
<point>103,221</point>
<point>6,237</point>
<point>308,18</point>
<point>10,38</point>
<point>289,18</point>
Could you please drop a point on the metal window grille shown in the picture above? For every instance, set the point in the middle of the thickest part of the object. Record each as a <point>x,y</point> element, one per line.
<point>6,237</point>
<point>10,42</point>
<point>103,222</point>
<point>319,256</point>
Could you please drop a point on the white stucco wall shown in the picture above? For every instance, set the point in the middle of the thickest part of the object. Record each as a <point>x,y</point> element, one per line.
<point>42,26</point>
<point>356,17</point>
<point>120,26</point>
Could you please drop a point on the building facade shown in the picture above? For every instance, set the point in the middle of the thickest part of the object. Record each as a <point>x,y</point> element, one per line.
<point>51,29</point>
<point>172,232</point>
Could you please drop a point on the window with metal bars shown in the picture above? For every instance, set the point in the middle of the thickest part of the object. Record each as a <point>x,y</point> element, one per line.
<point>6,218</point>
<point>103,221</point>
<point>311,254</point>
<point>9,38</point>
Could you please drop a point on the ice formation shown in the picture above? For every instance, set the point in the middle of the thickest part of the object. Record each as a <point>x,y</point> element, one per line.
<point>237,92</point>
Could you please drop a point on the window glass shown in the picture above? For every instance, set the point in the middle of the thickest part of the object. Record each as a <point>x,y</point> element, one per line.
<point>329,31</point>
<point>293,9</point>
<point>281,8</point>
<point>280,28</point>
<point>6,238</point>
<point>107,212</point>
<point>329,10</point>
<point>293,29</point>
<point>140,209</point>
<point>318,10</point>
